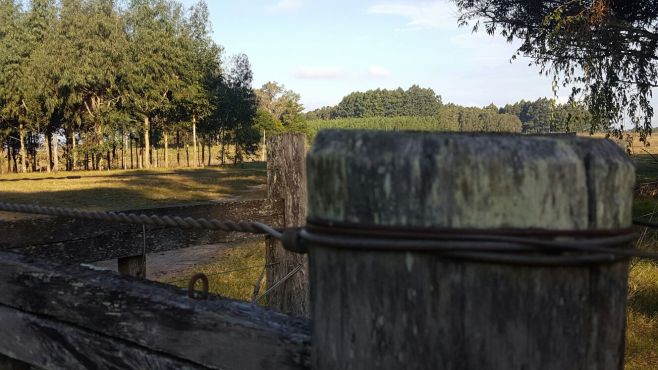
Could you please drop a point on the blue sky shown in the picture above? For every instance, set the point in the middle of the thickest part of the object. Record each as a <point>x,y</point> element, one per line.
<point>324,50</point>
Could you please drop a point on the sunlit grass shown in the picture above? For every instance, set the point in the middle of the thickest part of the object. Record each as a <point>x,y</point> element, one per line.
<point>642,332</point>
<point>234,273</point>
<point>134,189</point>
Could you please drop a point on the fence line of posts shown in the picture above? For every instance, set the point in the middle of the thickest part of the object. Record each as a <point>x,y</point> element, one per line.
<point>369,308</point>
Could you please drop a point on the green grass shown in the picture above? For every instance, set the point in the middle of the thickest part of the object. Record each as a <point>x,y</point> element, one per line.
<point>642,321</point>
<point>135,189</point>
<point>234,273</point>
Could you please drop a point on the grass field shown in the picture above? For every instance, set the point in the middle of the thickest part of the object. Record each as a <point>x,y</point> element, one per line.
<point>134,189</point>
<point>236,269</point>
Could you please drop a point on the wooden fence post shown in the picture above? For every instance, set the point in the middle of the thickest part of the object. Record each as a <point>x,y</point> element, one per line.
<point>417,310</point>
<point>286,179</point>
<point>133,265</point>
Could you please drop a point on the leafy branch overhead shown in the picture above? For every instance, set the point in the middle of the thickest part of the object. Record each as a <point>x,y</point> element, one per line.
<point>604,50</point>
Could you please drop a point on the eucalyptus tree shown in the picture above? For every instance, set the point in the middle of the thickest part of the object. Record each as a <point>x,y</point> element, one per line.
<point>21,32</point>
<point>236,109</point>
<point>101,47</point>
<point>13,53</point>
<point>201,72</point>
<point>48,81</point>
<point>155,57</point>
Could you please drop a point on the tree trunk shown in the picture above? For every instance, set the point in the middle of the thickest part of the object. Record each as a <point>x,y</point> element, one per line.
<point>187,154</point>
<point>178,148</point>
<point>210,151</point>
<point>13,156</point>
<point>49,142</point>
<point>263,150</point>
<point>195,156</point>
<point>34,139</point>
<point>74,154</point>
<point>146,160</point>
<point>123,151</point>
<point>8,156</point>
<point>223,148</point>
<point>203,151</point>
<point>2,158</point>
<point>21,137</point>
<point>109,161</point>
<point>55,153</point>
<point>166,150</point>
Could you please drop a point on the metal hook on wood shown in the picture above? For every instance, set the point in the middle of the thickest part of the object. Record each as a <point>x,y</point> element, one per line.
<point>204,286</point>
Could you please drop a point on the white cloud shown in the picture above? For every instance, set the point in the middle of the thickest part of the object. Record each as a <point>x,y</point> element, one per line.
<point>420,15</point>
<point>288,5</point>
<point>318,72</point>
<point>378,71</point>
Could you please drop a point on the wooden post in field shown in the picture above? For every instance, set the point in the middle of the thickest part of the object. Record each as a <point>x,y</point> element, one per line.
<point>417,310</point>
<point>286,179</point>
<point>133,265</point>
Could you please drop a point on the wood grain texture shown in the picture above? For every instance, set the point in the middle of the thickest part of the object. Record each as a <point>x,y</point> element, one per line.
<point>286,179</point>
<point>415,310</point>
<point>132,266</point>
<point>53,345</point>
<point>214,333</point>
<point>79,240</point>
<point>8,363</point>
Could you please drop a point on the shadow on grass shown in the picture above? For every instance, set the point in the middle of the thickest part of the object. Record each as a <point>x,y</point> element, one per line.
<point>124,192</point>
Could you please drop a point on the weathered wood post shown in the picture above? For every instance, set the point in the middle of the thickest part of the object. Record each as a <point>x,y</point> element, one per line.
<point>286,179</point>
<point>133,265</point>
<point>8,363</point>
<point>413,309</point>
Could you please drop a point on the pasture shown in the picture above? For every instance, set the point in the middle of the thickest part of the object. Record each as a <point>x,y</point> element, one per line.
<point>233,270</point>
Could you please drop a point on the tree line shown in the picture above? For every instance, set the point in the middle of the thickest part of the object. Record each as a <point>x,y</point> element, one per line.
<point>105,78</point>
<point>539,116</point>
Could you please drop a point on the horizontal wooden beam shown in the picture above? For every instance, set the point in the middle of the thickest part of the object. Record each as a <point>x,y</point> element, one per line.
<point>45,307</point>
<point>49,344</point>
<point>79,240</point>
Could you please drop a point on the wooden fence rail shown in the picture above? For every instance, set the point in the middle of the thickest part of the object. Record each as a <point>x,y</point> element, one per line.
<point>79,241</point>
<point>72,317</point>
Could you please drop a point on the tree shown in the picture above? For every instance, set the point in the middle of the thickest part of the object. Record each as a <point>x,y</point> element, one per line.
<point>284,105</point>
<point>14,52</point>
<point>237,109</point>
<point>415,101</point>
<point>607,50</point>
<point>156,56</point>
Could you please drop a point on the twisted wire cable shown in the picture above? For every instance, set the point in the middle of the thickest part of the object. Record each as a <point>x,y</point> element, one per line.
<point>142,219</point>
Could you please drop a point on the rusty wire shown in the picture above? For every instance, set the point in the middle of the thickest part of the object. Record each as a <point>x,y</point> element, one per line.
<point>523,247</point>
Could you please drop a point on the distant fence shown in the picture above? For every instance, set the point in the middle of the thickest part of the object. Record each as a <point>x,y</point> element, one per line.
<point>425,251</point>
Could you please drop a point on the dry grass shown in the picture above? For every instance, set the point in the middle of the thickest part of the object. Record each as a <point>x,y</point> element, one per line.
<point>135,189</point>
<point>642,332</point>
<point>233,274</point>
